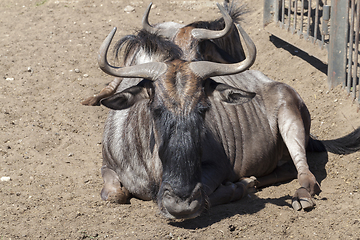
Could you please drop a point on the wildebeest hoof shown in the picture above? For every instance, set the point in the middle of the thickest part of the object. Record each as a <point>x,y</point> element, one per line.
<point>249,182</point>
<point>242,188</point>
<point>302,200</point>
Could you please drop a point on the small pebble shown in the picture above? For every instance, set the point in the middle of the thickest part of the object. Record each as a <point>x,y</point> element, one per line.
<point>129,9</point>
<point>86,75</point>
<point>5,179</point>
<point>77,70</point>
<point>10,79</point>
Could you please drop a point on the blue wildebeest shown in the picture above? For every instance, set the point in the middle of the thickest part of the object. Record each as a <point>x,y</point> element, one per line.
<point>190,134</point>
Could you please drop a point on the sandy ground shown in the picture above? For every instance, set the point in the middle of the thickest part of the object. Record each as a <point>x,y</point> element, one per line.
<point>50,145</point>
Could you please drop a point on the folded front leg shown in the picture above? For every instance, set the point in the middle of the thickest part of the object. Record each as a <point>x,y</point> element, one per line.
<point>113,190</point>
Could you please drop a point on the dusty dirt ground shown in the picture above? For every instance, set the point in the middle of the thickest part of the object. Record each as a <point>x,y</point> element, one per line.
<point>50,145</point>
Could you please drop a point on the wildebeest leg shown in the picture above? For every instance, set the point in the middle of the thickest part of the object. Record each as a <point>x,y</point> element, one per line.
<point>113,190</point>
<point>104,93</point>
<point>294,125</point>
<point>230,192</point>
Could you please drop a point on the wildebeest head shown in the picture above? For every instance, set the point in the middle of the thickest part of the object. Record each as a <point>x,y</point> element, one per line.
<point>177,94</point>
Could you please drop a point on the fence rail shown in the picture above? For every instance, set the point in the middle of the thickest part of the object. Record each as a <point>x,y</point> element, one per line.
<point>331,25</point>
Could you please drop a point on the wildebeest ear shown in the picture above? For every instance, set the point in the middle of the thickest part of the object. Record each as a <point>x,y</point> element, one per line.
<point>226,93</point>
<point>129,96</point>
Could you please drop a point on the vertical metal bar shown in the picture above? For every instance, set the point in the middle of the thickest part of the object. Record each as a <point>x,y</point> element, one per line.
<point>338,42</point>
<point>316,21</point>
<point>356,50</point>
<point>295,16</point>
<point>325,24</point>
<point>289,16</point>
<point>322,43</point>
<point>282,13</point>
<point>277,10</point>
<point>301,19</point>
<point>271,11</point>
<point>350,61</point>
<point>309,18</point>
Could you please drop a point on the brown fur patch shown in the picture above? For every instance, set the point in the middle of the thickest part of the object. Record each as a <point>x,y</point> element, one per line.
<point>186,42</point>
<point>179,89</point>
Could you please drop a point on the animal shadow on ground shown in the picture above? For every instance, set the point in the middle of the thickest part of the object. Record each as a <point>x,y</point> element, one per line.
<point>253,204</point>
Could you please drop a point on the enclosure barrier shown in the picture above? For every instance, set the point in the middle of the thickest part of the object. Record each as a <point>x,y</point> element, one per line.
<point>333,26</point>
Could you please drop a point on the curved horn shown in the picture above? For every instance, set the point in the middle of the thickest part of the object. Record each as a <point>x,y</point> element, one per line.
<point>145,21</point>
<point>205,69</point>
<point>151,70</point>
<point>203,34</point>
<point>165,32</point>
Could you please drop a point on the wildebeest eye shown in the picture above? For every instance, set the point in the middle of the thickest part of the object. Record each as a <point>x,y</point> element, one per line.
<point>157,111</point>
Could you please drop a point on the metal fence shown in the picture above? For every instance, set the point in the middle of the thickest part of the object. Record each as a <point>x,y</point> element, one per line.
<point>331,25</point>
